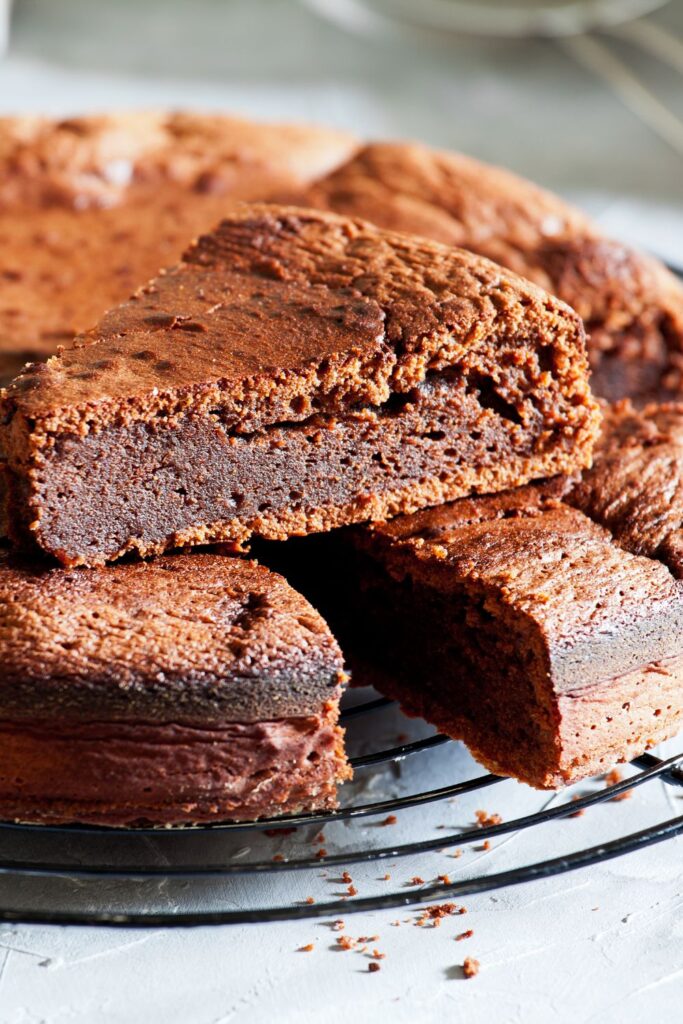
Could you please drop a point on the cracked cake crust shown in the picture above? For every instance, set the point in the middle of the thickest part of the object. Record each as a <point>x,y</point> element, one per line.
<point>632,306</point>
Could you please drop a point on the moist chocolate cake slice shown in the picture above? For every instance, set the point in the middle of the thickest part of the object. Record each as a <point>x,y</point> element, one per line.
<point>296,372</point>
<point>632,306</point>
<point>92,206</point>
<point>514,623</point>
<point>635,487</point>
<point>192,688</point>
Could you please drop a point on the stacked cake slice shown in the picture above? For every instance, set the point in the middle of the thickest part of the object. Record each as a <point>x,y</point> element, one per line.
<point>297,371</point>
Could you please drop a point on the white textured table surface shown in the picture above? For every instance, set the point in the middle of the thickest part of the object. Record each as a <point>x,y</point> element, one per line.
<point>601,945</point>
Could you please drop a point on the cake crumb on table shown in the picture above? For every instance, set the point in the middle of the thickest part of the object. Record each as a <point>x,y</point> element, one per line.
<point>464,935</point>
<point>306,949</point>
<point>373,966</point>
<point>390,819</point>
<point>470,967</point>
<point>352,891</point>
<point>346,877</point>
<point>309,900</point>
<point>438,911</point>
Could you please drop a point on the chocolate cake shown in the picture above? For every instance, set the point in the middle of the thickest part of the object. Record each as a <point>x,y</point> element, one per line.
<point>91,207</point>
<point>295,372</point>
<point>192,688</point>
<point>514,623</point>
<point>635,487</point>
<point>632,306</point>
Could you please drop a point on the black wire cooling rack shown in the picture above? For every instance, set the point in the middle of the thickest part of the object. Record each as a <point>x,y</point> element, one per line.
<point>91,860</point>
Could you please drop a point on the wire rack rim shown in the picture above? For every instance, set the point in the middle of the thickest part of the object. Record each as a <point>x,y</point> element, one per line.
<point>466,887</point>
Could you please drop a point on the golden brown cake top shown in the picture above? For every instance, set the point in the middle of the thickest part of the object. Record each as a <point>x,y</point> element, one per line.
<point>92,207</point>
<point>280,308</point>
<point>631,304</point>
<point>100,160</point>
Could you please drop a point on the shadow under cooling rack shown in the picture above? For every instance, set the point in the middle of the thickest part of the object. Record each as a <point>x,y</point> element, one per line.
<point>234,873</point>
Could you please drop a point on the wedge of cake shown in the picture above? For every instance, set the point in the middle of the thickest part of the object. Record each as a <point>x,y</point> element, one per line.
<point>635,487</point>
<point>296,372</point>
<point>632,306</point>
<point>514,623</point>
<point>192,688</point>
<point>90,207</point>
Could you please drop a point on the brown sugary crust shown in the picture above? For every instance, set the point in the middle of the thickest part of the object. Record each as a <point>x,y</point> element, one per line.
<point>202,639</point>
<point>513,622</point>
<point>291,319</point>
<point>635,487</point>
<point>632,306</point>
<point>92,206</point>
<point>141,773</point>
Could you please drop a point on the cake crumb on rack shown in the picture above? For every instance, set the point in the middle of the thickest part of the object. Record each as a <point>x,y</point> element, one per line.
<point>485,820</point>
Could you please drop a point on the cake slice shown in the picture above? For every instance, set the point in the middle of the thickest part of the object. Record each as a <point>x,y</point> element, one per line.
<point>192,688</point>
<point>295,372</point>
<point>514,623</point>
<point>90,207</point>
<point>635,487</point>
<point>632,306</point>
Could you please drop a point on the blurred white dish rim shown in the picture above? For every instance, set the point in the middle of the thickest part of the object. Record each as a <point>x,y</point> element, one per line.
<point>5,11</point>
<point>486,17</point>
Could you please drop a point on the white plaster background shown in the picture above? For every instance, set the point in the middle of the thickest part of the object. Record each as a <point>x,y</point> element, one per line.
<point>603,945</point>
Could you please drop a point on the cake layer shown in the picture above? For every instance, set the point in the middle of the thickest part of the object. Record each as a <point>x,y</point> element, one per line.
<point>191,688</point>
<point>92,206</point>
<point>142,773</point>
<point>632,306</point>
<point>635,487</point>
<point>516,624</point>
<point>203,639</point>
<point>225,397</point>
